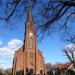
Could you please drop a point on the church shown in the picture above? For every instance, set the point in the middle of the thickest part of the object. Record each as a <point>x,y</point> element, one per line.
<point>29,59</point>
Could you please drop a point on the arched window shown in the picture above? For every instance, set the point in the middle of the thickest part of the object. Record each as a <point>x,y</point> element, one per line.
<point>32,56</point>
<point>30,43</point>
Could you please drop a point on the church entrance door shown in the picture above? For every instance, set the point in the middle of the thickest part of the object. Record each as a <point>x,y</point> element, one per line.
<point>31,69</point>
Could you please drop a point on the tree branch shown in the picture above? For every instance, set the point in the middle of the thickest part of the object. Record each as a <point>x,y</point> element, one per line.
<point>68,56</point>
<point>16,2</point>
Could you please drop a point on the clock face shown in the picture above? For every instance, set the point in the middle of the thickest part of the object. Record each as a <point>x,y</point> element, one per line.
<point>31,33</point>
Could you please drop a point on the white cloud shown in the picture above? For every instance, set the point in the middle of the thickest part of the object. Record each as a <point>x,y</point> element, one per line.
<point>15,43</point>
<point>7,52</point>
<point>12,45</point>
<point>70,47</point>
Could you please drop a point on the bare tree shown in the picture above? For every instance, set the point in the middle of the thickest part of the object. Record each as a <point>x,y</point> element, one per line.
<point>70,53</point>
<point>52,15</point>
<point>57,15</point>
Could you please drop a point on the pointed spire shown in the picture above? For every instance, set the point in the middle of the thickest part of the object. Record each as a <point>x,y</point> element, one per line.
<point>29,16</point>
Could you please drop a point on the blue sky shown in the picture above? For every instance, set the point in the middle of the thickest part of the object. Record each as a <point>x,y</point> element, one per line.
<point>52,48</point>
<point>11,38</point>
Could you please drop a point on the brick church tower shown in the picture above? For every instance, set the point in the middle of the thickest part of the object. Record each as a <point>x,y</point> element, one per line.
<point>29,59</point>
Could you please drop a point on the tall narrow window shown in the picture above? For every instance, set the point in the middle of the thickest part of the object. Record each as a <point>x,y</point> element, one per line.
<point>31,43</point>
<point>32,56</point>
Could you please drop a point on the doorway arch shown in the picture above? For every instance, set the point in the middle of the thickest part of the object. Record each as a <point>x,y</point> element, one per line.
<point>31,69</point>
